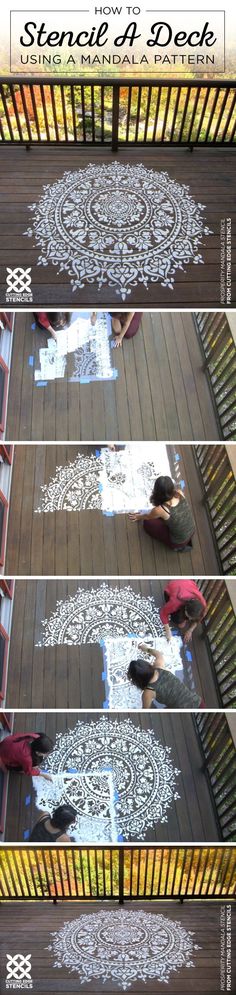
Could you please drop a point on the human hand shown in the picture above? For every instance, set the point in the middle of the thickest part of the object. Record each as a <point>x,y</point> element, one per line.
<point>188,636</point>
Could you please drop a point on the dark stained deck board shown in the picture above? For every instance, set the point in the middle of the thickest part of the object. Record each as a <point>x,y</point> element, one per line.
<point>88,543</point>
<point>27,930</point>
<point>161,391</point>
<point>190,818</point>
<point>71,676</point>
<point>210,176</point>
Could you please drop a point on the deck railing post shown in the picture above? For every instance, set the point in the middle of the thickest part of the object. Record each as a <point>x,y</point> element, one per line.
<point>121,876</point>
<point>115,116</point>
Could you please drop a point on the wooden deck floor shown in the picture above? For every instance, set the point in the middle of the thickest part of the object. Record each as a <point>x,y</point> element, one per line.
<point>26,930</point>
<point>190,818</point>
<point>161,391</point>
<point>71,676</point>
<point>209,175</point>
<point>88,543</point>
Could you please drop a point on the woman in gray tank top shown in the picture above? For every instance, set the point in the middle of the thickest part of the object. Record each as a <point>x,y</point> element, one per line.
<point>171,519</point>
<point>53,828</point>
<point>159,685</point>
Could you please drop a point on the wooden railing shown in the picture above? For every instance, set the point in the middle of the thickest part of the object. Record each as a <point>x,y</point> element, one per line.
<point>106,111</point>
<point>219,763</point>
<point>219,490</point>
<point>88,873</point>
<point>219,631</point>
<point>219,352</point>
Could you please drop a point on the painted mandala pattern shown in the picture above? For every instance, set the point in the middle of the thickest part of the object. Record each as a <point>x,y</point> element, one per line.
<point>114,482</point>
<point>118,225</point>
<point>143,774</point>
<point>73,789</point>
<point>121,694</point>
<point>90,616</point>
<point>123,947</point>
<point>74,487</point>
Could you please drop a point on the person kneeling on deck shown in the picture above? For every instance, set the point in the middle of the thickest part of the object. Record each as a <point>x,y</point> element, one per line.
<point>22,751</point>
<point>52,321</point>
<point>125,324</point>
<point>171,519</point>
<point>51,828</point>
<point>184,607</point>
<point>159,685</point>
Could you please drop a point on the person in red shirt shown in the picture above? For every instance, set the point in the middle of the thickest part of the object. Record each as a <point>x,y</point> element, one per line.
<point>52,321</point>
<point>23,751</point>
<point>184,607</point>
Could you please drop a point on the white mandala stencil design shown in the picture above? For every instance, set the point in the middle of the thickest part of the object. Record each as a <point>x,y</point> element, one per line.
<point>90,616</point>
<point>119,225</point>
<point>143,774</point>
<point>123,947</point>
<point>73,789</point>
<point>113,482</point>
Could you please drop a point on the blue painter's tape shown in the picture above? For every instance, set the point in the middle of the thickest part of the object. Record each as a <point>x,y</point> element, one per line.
<point>102,642</point>
<point>106,704</point>
<point>108,514</point>
<point>106,767</point>
<point>33,326</point>
<point>72,770</point>
<point>120,838</point>
<point>188,655</point>
<point>31,361</point>
<point>84,379</point>
<point>104,675</point>
<point>27,799</point>
<point>177,457</point>
<point>116,796</point>
<point>41,383</point>
<point>182,484</point>
<point>100,487</point>
<point>26,834</point>
<point>97,452</point>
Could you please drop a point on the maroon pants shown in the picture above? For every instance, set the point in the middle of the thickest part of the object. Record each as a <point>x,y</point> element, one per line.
<point>158,529</point>
<point>134,324</point>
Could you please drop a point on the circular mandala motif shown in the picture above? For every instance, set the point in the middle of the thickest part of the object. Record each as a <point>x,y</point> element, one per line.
<point>90,616</point>
<point>118,225</point>
<point>143,774</point>
<point>123,947</point>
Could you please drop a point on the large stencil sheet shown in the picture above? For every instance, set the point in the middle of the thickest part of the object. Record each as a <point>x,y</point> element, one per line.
<point>82,352</point>
<point>120,692</point>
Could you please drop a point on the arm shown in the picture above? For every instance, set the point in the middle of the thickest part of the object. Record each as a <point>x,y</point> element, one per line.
<point>144,515</point>
<point>93,320</point>
<point>168,632</point>
<point>147,698</point>
<point>151,652</point>
<point>122,333</point>
<point>52,333</point>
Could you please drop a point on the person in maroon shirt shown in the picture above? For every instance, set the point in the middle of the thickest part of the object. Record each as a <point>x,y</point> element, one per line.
<point>125,324</point>
<point>184,607</point>
<point>52,321</point>
<point>23,751</point>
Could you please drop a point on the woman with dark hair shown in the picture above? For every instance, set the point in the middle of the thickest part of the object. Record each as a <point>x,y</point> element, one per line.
<point>125,325</point>
<point>171,519</point>
<point>184,607</point>
<point>54,828</point>
<point>158,684</point>
<point>23,751</point>
<point>52,321</point>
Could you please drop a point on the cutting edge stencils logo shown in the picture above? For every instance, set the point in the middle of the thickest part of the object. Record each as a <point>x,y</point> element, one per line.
<point>18,968</point>
<point>18,285</point>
